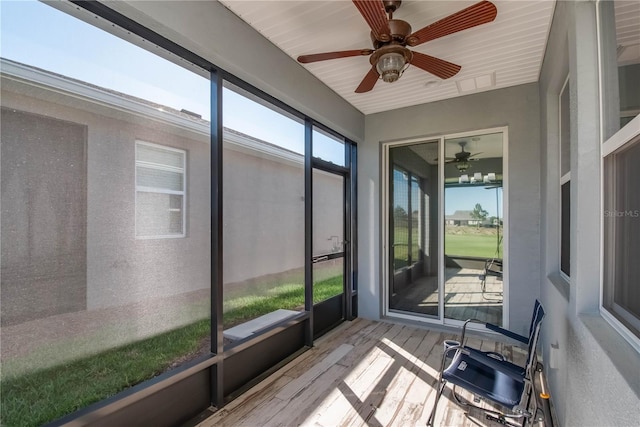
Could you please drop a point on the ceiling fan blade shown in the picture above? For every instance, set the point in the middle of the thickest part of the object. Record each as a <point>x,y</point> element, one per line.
<point>374,13</point>
<point>478,14</point>
<point>435,66</point>
<point>305,59</point>
<point>368,82</point>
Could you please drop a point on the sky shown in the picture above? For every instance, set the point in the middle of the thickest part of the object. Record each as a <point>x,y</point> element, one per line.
<point>39,35</point>
<point>36,34</point>
<point>465,199</point>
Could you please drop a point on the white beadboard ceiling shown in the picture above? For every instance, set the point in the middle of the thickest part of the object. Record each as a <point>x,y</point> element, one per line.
<point>628,31</point>
<point>510,49</point>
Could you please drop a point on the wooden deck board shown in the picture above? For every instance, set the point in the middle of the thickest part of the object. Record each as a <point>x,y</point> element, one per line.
<point>463,296</point>
<point>363,373</point>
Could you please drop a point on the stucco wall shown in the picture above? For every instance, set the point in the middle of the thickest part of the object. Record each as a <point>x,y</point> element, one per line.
<point>264,205</point>
<point>43,220</point>
<point>120,268</point>
<point>593,373</point>
<point>516,107</point>
<point>263,214</point>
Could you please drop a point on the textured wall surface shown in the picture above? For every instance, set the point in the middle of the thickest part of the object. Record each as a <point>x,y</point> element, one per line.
<point>121,269</point>
<point>44,216</point>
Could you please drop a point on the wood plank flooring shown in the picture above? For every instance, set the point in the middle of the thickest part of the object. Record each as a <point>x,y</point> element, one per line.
<point>463,296</point>
<point>363,373</point>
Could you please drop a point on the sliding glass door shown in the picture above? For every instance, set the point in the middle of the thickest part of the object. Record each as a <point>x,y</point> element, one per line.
<point>444,227</point>
<point>473,222</point>
<point>413,228</point>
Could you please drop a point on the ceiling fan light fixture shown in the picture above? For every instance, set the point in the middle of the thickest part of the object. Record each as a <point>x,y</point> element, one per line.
<point>462,165</point>
<point>390,66</point>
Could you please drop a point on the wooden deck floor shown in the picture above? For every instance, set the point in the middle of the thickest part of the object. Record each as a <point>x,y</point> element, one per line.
<point>363,373</point>
<point>463,296</point>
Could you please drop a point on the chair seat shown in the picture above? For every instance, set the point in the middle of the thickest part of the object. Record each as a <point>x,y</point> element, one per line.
<point>480,379</point>
<point>488,375</point>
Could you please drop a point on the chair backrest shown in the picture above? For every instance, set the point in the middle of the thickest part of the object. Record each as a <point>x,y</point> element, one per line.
<point>534,333</point>
<point>536,306</point>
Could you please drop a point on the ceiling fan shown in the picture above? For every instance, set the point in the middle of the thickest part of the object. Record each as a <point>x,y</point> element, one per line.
<point>462,155</point>
<point>390,55</point>
<point>462,158</point>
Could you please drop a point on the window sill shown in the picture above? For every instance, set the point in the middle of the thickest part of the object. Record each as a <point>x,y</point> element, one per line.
<point>561,284</point>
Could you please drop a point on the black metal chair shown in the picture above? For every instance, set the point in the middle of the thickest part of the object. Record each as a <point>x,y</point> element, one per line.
<point>491,377</point>
<point>492,267</point>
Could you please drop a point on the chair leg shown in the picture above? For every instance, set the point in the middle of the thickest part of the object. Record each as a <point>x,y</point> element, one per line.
<point>494,415</point>
<point>458,398</point>
<point>432,416</point>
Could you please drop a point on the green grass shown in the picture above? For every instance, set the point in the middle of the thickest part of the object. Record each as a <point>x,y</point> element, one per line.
<point>483,246</point>
<point>286,296</point>
<point>401,247</point>
<point>459,241</point>
<point>42,396</point>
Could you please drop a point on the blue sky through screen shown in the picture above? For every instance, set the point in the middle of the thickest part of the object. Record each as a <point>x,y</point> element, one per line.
<point>36,34</point>
<point>39,35</point>
<point>252,118</point>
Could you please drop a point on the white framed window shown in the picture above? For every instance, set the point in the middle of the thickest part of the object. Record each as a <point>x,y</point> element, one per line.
<point>619,80</point>
<point>160,191</point>
<point>621,228</point>
<point>565,180</point>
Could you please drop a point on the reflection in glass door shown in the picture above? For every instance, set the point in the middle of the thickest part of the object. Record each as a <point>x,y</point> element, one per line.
<point>413,228</point>
<point>473,228</point>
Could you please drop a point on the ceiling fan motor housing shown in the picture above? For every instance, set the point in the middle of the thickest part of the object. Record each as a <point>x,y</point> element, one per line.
<point>400,30</point>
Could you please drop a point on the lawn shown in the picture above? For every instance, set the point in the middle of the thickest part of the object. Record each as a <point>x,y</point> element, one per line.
<point>459,241</point>
<point>39,397</point>
<point>288,296</point>
<point>401,246</point>
<point>42,396</point>
<point>472,245</point>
